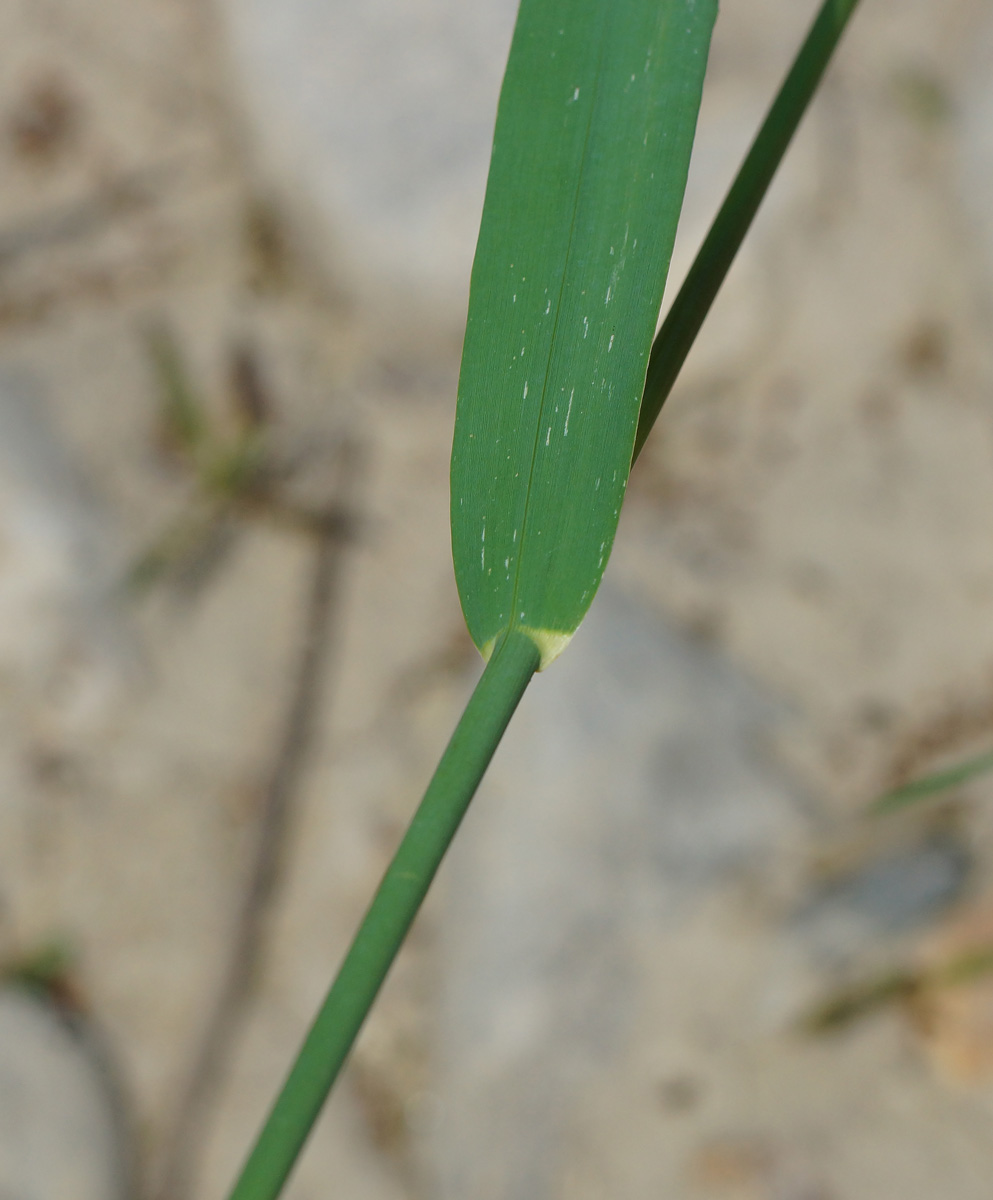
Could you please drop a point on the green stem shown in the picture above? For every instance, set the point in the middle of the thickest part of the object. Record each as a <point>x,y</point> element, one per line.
<point>389,917</point>
<point>722,243</point>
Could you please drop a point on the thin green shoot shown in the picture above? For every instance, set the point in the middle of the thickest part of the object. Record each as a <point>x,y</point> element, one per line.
<point>930,786</point>
<point>723,241</point>
<point>900,985</point>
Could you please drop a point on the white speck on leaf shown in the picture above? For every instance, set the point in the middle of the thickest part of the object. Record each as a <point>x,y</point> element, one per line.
<point>610,344</point>
<point>548,435</point>
<point>568,412</point>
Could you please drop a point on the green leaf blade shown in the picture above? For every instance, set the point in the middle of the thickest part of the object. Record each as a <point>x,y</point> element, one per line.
<point>591,151</point>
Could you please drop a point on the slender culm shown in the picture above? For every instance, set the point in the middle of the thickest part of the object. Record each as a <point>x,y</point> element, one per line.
<point>389,917</point>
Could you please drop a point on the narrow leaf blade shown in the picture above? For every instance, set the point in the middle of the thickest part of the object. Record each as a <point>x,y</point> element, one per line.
<point>591,151</point>
<point>934,784</point>
<point>723,241</point>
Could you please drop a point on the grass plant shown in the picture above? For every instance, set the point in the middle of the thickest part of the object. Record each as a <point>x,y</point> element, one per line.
<point>591,150</point>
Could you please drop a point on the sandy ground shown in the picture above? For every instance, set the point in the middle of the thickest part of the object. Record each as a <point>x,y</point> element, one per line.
<point>813,518</point>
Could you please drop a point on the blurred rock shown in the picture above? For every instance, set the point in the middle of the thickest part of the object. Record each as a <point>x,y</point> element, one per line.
<point>894,891</point>
<point>374,122</point>
<point>60,1135</point>
<point>58,638</point>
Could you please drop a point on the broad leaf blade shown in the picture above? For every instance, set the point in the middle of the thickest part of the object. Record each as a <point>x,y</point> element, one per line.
<point>591,151</point>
